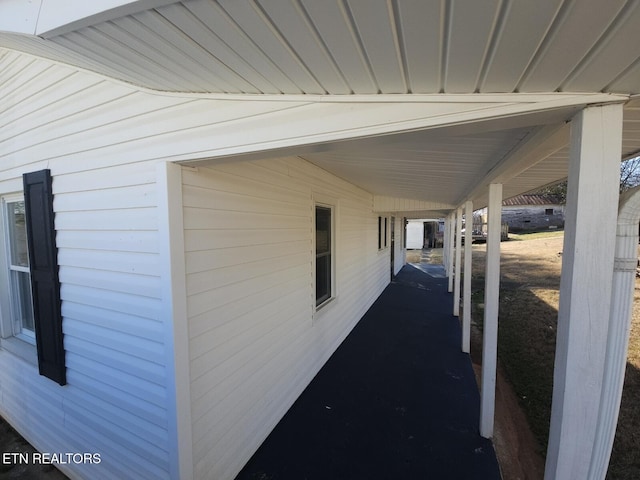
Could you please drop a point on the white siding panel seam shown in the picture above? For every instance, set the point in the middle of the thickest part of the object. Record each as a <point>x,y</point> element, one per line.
<point>218,340</point>
<point>209,320</point>
<point>121,322</point>
<point>124,381</point>
<point>202,302</point>
<point>129,403</point>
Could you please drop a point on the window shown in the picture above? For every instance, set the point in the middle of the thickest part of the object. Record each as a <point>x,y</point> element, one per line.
<point>30,283</point>
<point>548,211</point>
<point>386,229</point>
<point>323,254</point>
<point>20,303</point>
<point>383,229</point>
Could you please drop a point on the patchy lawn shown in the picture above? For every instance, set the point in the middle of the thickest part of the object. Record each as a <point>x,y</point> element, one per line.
<point>530,281</point>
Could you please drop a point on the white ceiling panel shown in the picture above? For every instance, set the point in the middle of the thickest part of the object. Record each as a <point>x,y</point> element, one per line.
<point>191,59</point>
<point>421,29</point>
<point>467,39</point>
<point>631,129</point>
<point>292,22</point>
<point>549,170</point>
<point>332,20</point>
<point>377,30</point>
<point>213,51</point>
<point>152,49</point>
<point>224,32</point>
<point>109,52</point>
<point>360,46</point>
<point>256,24</point>
<point>520,33</point>
<point>616,51</point>
<point>422,168</point>
<point>576,30</point>
<point>628,81</point>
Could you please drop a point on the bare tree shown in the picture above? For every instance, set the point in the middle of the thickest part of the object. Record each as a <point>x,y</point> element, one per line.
<point>629,178</point>
<point>558,190</point>
<point>629,174</point>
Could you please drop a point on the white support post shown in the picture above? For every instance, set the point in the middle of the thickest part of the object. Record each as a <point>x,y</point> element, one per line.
<point>491,302</point>
<point>585,289</point>
<point>450,250</point>
<point>623,286</point>
<point>458,258</point>
<point>466,288</point>
<point>175,319</point>
<point>445,245</point>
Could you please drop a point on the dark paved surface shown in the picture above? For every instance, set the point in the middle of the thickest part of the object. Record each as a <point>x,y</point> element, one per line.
<point>397,400</point>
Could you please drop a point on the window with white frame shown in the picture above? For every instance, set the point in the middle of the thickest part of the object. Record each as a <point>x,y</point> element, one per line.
<point>17,265</point>
<point>386,229</point>
<point>324,254</point>
<point>30,303</point>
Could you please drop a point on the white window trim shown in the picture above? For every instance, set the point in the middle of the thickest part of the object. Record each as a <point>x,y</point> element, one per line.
<point>320,200</point>
<point>20,343</point>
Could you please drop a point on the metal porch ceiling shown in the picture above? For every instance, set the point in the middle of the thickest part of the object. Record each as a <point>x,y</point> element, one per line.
<point>357,46</point>
<point>372,47</point>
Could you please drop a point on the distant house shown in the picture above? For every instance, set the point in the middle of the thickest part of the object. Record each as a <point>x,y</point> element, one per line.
<point>530,212</point>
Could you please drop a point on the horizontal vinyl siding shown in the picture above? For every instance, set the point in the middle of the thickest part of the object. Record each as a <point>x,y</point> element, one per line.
<point>255,342</point>
<point>115,402</point>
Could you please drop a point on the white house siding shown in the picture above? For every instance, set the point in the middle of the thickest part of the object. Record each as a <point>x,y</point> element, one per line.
<point>115,402</point>
<point>255,342</point>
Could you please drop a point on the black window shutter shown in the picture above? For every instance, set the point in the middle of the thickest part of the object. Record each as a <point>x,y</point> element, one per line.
<point>45,285</point>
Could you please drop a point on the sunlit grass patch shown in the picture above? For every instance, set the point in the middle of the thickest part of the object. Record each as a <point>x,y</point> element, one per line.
<point>529,299</point>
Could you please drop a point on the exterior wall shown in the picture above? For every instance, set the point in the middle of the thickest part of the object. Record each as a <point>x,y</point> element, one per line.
<point>255,339</point>
<point>116,402</point>
<point>523,218</point>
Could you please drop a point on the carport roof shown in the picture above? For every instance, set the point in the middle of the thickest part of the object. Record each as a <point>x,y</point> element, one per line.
<point>340,47</point>
<point>359,50</point>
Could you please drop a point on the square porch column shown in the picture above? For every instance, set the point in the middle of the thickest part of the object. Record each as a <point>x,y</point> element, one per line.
<point>585,289</point>
<point>491,304</point>
<point>457,269</point>
<point>450,248</point>
<point>466,287</point>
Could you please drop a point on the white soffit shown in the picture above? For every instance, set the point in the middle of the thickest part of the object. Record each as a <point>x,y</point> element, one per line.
<point>428,152</point>
<point>335,123</point>
<point>341,47</point>
<point>631,129</point>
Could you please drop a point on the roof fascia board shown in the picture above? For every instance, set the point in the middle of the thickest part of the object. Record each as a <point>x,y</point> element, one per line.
<point>366,126</point>
<point>561,98</point>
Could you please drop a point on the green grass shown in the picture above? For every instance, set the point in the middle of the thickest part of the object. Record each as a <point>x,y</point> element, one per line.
<point>526,344</point>
<point>526,337</point>
<point>533,235</point>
